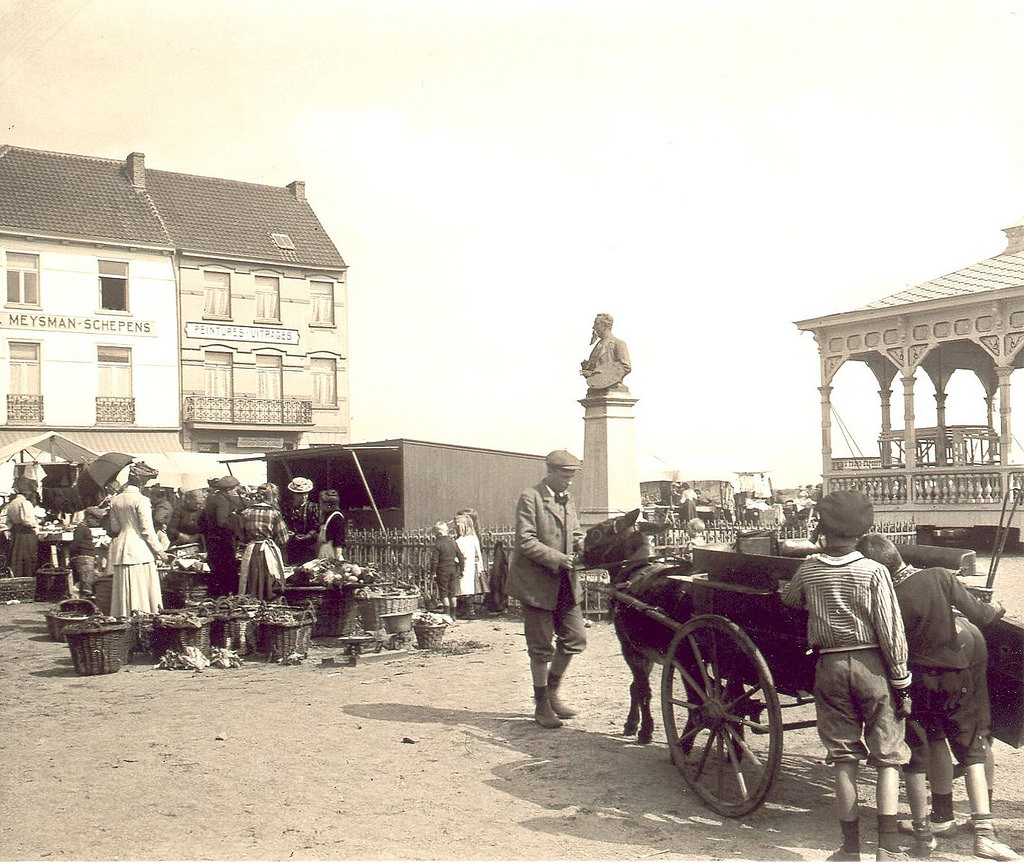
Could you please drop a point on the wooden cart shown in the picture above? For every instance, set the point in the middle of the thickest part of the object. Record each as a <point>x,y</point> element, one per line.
<point>737,662</point>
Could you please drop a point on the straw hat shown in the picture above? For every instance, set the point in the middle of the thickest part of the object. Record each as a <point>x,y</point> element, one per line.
<point>300,485</point>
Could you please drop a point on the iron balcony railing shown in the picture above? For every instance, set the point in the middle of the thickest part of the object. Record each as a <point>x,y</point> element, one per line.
<point>115,409</point>
<point>24,409</point>
<point>248,411</point>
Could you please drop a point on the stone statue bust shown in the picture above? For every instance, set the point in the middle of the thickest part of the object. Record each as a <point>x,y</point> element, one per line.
<point>608,363</point>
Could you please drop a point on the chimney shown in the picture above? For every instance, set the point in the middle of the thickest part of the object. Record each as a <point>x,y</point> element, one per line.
<point>136,163</point>
<point>298,189</point>
<point>1014,238</point>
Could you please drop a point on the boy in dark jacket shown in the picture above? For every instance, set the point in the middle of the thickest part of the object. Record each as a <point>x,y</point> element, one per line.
<point>446,562</point>
<point>947,706</point>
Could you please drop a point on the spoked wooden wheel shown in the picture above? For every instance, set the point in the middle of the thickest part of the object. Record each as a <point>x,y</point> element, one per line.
<point>721,714</point>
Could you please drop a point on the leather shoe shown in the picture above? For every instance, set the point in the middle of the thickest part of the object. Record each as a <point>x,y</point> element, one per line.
<point>560,708</point>
<point>544,716</point>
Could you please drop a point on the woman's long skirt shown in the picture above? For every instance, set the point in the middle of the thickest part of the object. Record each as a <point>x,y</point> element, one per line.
<point>136,587</point>
<point>24,551</point>
<point>262,571</point>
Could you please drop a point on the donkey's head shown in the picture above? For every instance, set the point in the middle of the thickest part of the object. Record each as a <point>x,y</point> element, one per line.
<point>619,540</point>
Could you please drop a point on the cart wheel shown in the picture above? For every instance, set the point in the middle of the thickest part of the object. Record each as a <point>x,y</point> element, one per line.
<point>721,715</point>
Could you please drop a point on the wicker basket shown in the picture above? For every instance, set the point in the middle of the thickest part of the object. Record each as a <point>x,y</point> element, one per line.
<point>171,635</point>
<point>22,589</point>
<point>97,648</point>
<point>430,637</point>
<point>66,612</point>
<point>328,608</point>
<point>372,607</point>
<point>140,633</point>
<point>182,586</point>
<point>279,639</point>
<point>237,633</point>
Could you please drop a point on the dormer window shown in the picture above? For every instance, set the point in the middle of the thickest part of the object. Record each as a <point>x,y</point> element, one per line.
<point>283,242</point>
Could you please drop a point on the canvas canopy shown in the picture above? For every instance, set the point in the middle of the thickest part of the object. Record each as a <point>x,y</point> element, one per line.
<point>192,470</point>
<point>54,444</point>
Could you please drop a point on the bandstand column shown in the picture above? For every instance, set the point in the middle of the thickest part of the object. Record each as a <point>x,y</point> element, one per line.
<point>826,426</point>
<point>990,422</point>
<point>909,432</point>
<point>940,431</point>
<point>1005,437</point>
<point>885,399</point>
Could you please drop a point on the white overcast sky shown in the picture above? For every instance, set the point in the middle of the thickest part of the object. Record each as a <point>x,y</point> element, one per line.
<point>495,173</point>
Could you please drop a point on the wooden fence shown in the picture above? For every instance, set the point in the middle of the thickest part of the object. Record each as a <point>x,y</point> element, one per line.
<point>404,555</point>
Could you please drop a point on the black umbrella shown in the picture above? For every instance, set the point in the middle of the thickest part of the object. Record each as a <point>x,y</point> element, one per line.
<point>100,471</point>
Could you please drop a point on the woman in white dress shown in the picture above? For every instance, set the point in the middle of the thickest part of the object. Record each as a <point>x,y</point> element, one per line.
<point>472,580</point>
<point>135,548</point>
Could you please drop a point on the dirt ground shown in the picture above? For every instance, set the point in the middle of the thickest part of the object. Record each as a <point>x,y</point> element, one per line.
<point>412,755</point>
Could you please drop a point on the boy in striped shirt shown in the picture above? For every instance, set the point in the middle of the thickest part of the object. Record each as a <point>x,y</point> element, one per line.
<point>861,675</point>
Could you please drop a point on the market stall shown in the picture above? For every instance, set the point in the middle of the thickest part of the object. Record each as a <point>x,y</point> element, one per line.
<point>55,463</point>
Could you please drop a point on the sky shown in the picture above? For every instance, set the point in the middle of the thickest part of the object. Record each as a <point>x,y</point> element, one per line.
<point>496,172</point>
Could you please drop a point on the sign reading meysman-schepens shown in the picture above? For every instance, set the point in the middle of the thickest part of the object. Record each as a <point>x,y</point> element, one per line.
<point>238,333</point>
<point>40,321</point>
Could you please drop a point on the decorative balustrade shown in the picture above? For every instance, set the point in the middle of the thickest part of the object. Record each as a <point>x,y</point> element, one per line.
<point>931,487</point>
<point>115,409</point>
<point>884,487</point>
<point>24,409</point>
<point>248,411</point>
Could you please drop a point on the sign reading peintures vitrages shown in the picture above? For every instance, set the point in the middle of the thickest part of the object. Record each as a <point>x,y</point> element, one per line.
<point>41,322</point>
<point>238,333</point>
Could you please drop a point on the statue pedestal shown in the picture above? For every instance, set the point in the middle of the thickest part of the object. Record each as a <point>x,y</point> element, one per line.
<point>609,482</point>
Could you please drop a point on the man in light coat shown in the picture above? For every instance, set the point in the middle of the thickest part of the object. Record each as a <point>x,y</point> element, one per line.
<point>542,578</point>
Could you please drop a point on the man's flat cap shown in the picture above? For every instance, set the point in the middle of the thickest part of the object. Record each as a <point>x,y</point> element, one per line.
<point>562,458</point>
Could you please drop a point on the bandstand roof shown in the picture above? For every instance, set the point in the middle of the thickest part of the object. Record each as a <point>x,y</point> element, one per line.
<point>1002,271</point>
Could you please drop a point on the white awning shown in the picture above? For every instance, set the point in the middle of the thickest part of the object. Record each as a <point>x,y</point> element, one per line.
<point>192,470</point>
<point>54,444</point>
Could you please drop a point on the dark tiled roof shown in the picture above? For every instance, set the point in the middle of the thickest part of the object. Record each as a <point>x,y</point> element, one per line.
<point>1003,271</point>
<point>81,196</point>
<point>74,196</point>
<point>205,214</point>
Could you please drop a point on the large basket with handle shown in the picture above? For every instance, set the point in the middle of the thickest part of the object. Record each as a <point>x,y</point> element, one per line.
<point>285,631</point>
<point>66,612</point>
<point>176,631</point>
<point>386,599</point>
<point>97,646</point>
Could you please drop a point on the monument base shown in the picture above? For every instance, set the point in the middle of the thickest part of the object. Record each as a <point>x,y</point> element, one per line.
<point>609,482</point>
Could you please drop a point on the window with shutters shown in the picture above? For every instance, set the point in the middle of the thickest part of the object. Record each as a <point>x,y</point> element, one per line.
<point>268,299</point>
<point>115,367</point>
<point>268,376</point>
<point>217,294</point>
<point>321,299</point>
<point>323,372</point>
<point>22,279</point>
<point>217,366</point>
<point>25,379</point>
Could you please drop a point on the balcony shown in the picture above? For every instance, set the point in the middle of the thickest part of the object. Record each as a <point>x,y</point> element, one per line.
<point>24,409</point>
<point>115,410</point>
<point>245,411</point>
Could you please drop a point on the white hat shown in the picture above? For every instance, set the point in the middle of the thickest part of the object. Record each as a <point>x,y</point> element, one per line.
<point>301,485</point>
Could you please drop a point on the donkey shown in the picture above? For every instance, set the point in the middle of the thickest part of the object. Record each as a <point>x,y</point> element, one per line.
<point>622,547</point>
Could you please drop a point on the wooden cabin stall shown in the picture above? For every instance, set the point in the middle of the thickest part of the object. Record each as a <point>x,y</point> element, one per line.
<point>413,483</point>
<point>941,475</point>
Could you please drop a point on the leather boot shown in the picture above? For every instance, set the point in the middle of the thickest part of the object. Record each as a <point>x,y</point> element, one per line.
<point>560,708</point>
<point>543,715</point>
